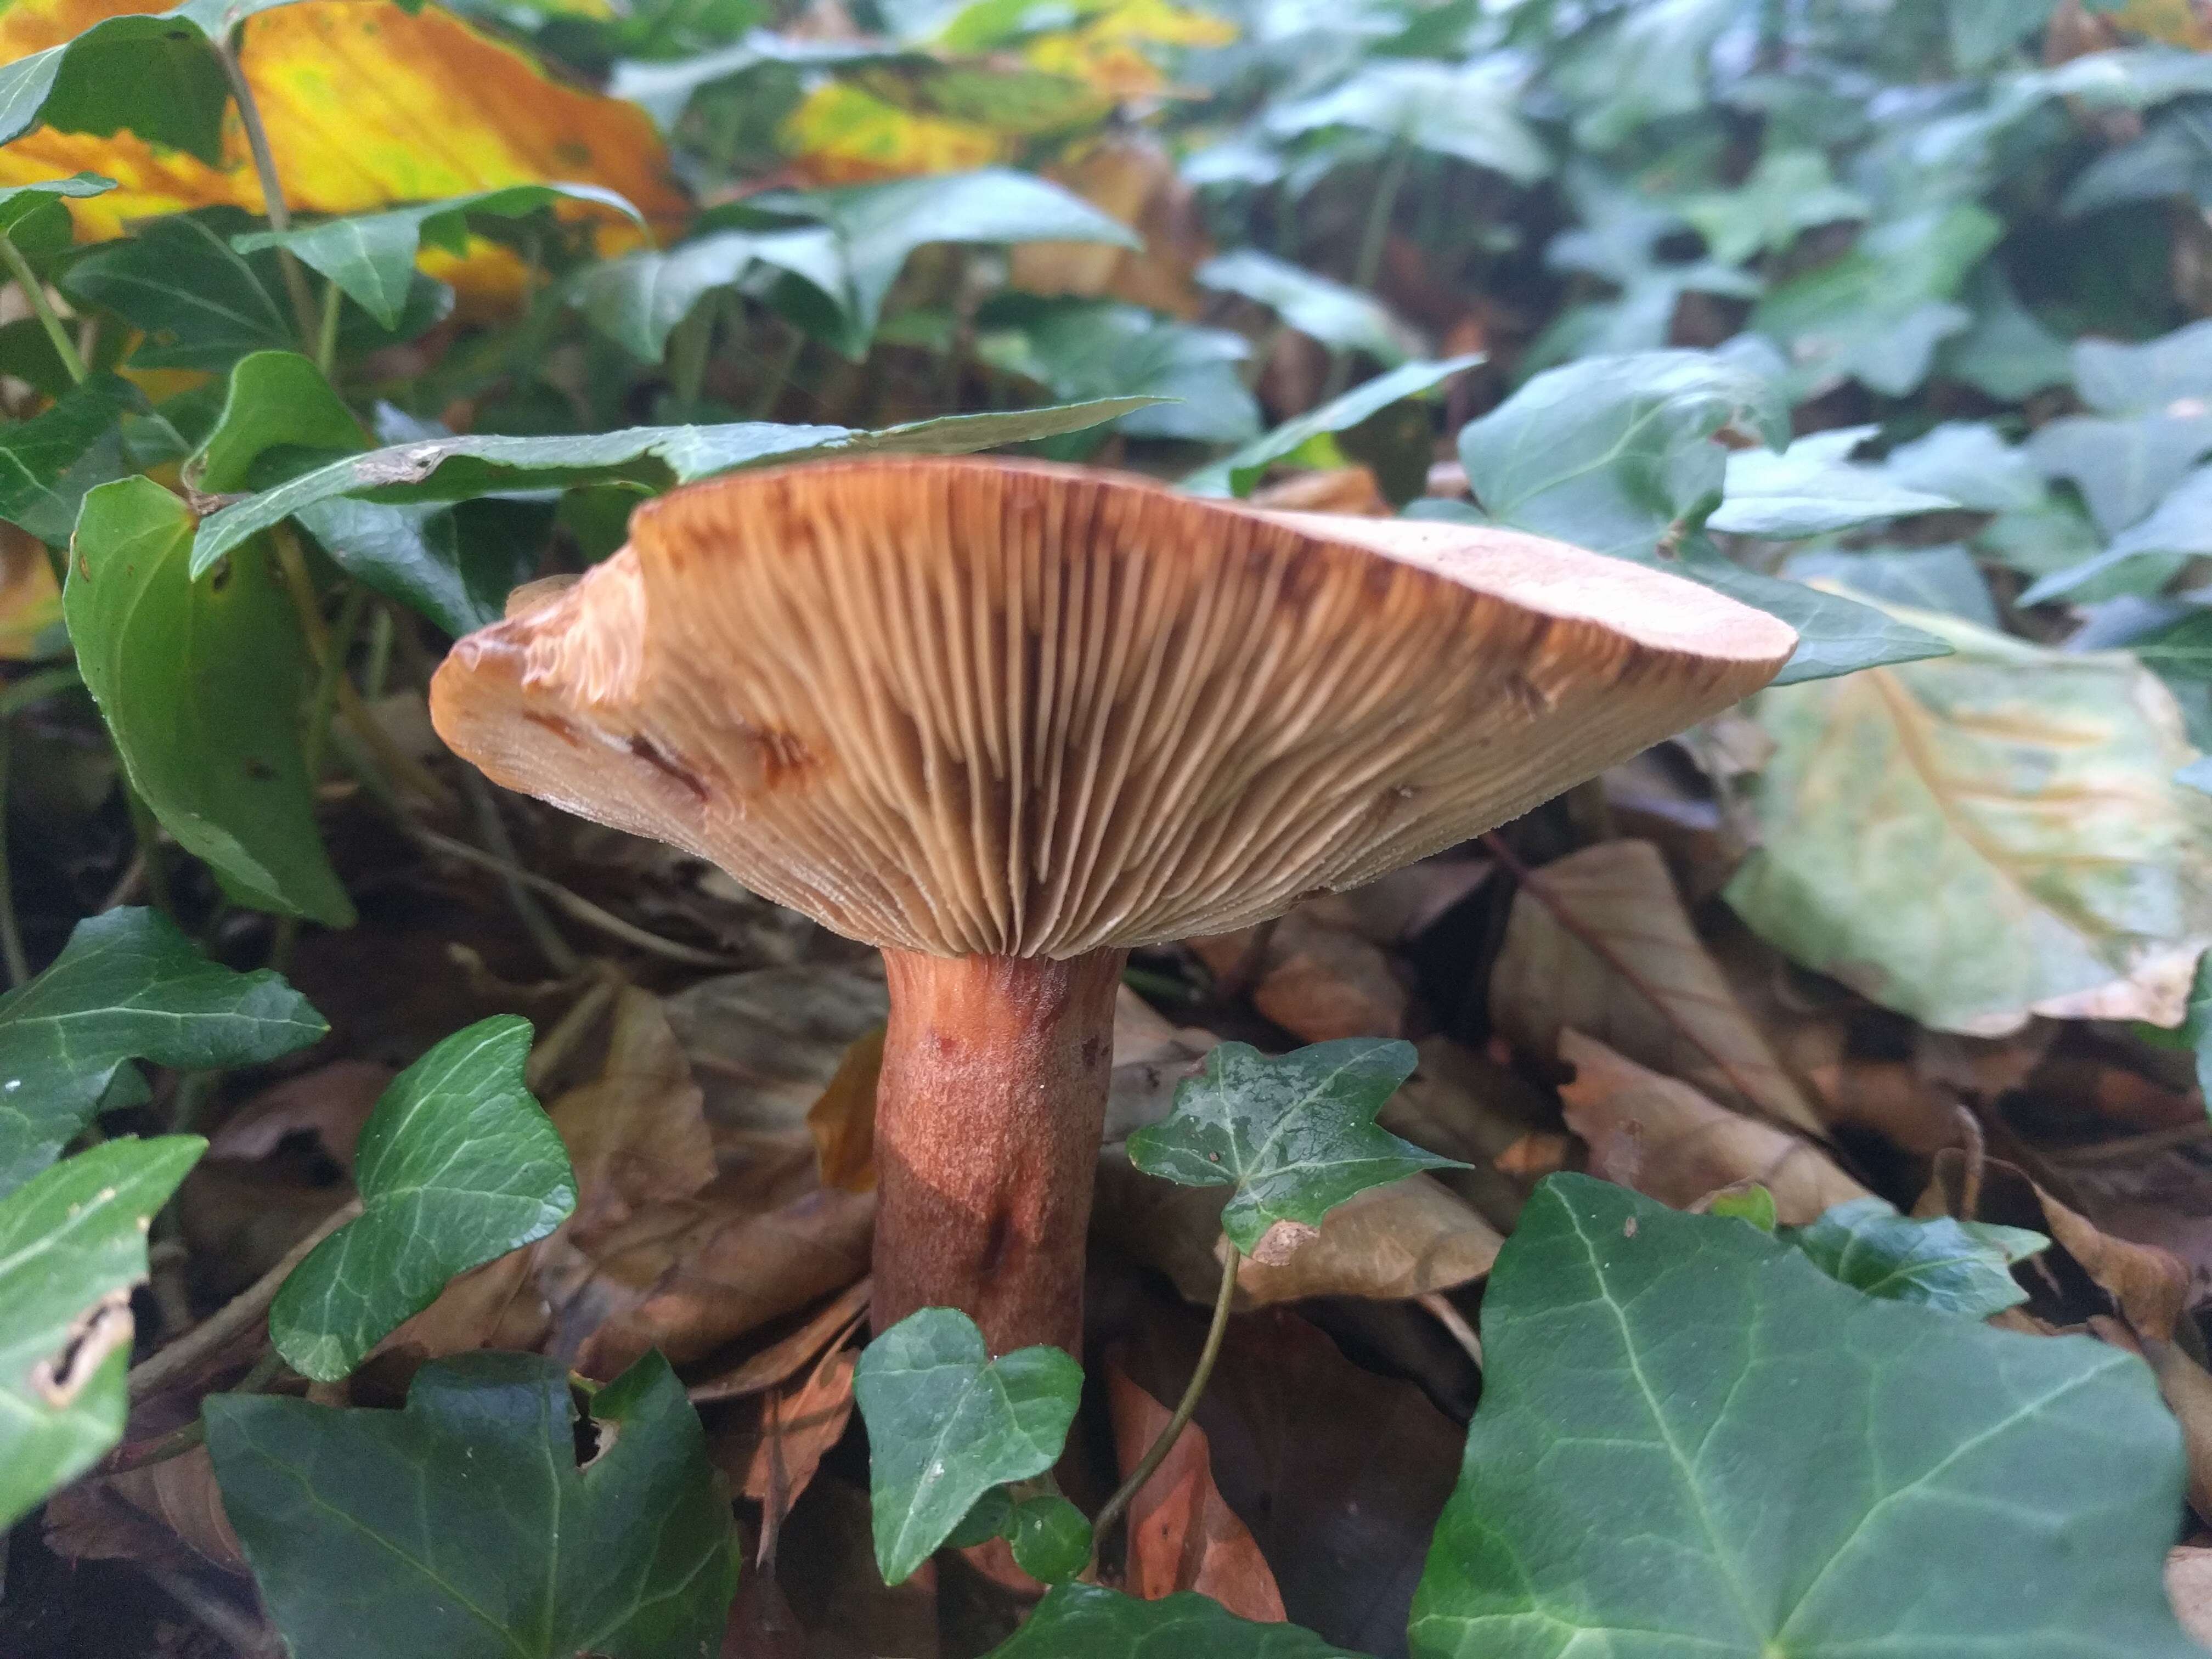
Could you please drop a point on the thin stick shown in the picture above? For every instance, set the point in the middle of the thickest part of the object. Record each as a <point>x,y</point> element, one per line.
<point>1184,1408</point>
<point>1453,1321</point>
<point>234,1318</point>
<point>227,1623</point>
<point>34,296</point>
<point>272,189</point>
<point>36,688</point>
<point>1601,947</point>
<point>574,904</point>
<point>326,332</point>
<point>543,933</point>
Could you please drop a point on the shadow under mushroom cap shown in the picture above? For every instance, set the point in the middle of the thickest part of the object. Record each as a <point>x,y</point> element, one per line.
<point>968,706</point>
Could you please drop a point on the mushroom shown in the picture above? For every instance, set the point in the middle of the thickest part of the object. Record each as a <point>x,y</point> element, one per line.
<point>1007,720</point>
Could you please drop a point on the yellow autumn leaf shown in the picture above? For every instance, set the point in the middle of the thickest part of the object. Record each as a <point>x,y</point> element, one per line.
<point>366,105</point>
<point>30,598</point>
<point>2177,22</point>
<point>840,134</point>
<point>1109,52</point>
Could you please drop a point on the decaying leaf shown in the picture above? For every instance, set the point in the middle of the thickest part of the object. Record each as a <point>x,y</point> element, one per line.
<point>843,1120</point>
<point>798,1423</point>
<point>1662,1138</point>
<point>1182,1536</point>
<point>2149,1285</point>
<point>1977,838</point>
<point>1547,979</point>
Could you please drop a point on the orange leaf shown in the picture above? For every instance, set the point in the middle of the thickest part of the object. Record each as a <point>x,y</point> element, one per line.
<point>844,1120</point>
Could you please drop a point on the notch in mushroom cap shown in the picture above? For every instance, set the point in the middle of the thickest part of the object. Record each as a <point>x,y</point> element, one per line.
<point>1007,720</point>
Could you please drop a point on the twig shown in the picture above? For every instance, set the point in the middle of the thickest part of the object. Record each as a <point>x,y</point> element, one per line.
<point>326,331</point>
<point>575,904</point>
<point>543,933</point>
<point>235,1317</point>
<point>272,188</point>
<point>1601,947</point>
<point>1974,1151</point>
<point>553,1048</point>
<point>34,296</point>
<point>1231,1257</point>
<point>247,1638</point>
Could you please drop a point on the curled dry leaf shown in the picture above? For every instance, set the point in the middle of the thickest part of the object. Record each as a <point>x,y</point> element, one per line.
<point>144,1514</point>
<point>785,1357</point>
<point>1404,1240</point>
<point>1183,1535</point>
<point>2149,1285</point>
<point>1662,1138</point>
<point>765,1044</point>
<point>1462,1105</point>
<point>1327,489</point>
<point>1317,976</point>
<point>843,1120</point>
<point>798,1423</point>
<point>827,1566</point>
<point>1683,1020</point>
<point>330,1103</point>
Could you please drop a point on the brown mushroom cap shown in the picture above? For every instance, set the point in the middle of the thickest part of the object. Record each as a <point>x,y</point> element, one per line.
<point>987,707</point>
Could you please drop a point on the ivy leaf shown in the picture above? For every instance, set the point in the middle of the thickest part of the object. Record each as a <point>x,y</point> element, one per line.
<point>200,684</point>
<point>1088,1621</point>
<point>2148,552</point>
<point>1343,318</point>
<point>1050,1537</point>
<point>1957,1266</point>
<point>1790,192</point>
<point>1944,578</point>
<point>1449,110</point>
<point>203,304</point>
<point>2115,377</point>
<point>2122,466</point>
<point>49,462</point>
<point>1968,462</point>
<point>946,1424</point>
<point>127,986</point>
<point>2031,788</point>
<point>1236,474</point>
<point>72,1243</point>
<point>275,401</point>
<point>371,256</point>
<point>1691,1439</point>
<point>456,1165</point>
<point>1836,635</point>
<point>1813,487</point>
<point>878,226</point>
<point>638,300</point>
<point>1295,1135</point>
<point>460,468</point>
<point>1078,348</point>
<point>461,1526</point>
<point>32,215</point>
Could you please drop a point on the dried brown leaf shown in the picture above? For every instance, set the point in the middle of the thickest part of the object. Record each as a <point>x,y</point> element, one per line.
<point>1662,1137</point>
<point>843,1120</point>
<point>330,1103</point>
<point>784,1358</point>
<point>798,1423</point>
<point>2150,1285</point>
<point>1683,1020</point>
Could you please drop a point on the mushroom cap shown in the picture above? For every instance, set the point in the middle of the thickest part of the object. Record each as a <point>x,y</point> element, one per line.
<point>987,707</point>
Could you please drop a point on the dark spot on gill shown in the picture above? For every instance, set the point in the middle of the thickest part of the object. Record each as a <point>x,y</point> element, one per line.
<point>650,752</point>
<point>559,727</point>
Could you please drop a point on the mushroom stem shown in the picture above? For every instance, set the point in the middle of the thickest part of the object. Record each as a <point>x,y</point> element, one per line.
<point>987,1124</point>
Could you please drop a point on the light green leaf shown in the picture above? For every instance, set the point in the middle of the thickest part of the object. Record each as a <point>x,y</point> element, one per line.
<point>1958,1266</point>
<point>2115,377</point>
<point>1464,111</point>
<point>1341,318</point>
<point>457,1164</point>
<point>1877,314</point>
<point>200,684</point>
<point>49,462</point>
<point>1613,453</point>
<point>2007,353</point>
<point>1789,192</point>
<point>1753,1204</point>
<point>2149,552</point>
<point>1295,1134</point>
<point>1944,578</point>
<point>946,1424</point>
<point>127,986</point>
<point>1813,487</point>
<point>878,226</point>
<point>1078,348</point>
<point>204,304</point>
<point>2030,789</point>
<point>1691,1441</point>
<point>1968,462</point>
<point>2122,466</point>
<point>1985,31</point>
<point>638,300</point>
<point>1088,1622</point>
<point>72,1243</point>
<point>32,215</point>
<point>1836,635</point>
<point>1236,475</point>
<point>1647,62</point>
<point>663,89</point>
<point>275,400</point>
<point>461,1526</point>
<point>371,256</point>
<point>2134,77</point>
<point>458,469</point>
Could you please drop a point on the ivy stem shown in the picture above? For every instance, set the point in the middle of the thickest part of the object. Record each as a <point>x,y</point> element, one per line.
<point>1184,1408</point>
<point>34,296</point>
<point>1372,241</point>
<point>272,189</point>
<point>326,335</point>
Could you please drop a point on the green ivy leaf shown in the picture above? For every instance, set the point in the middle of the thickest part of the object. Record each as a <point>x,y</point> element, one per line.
<point>878,226</point>
<point>72,1243</point>
<point>371,256</point>
<point>1958,1266</point>
<point>202,304</point>
<point>1050,1537</point>
<point>200,684</point>
<point>1078,348</point>
<point>1087,1621</point>
<point>460,469</point>
<point>1465,112</point>
<point>49,462</point>
<point>127,986</point>
<point>1295,1134</point>
<point>1836,636</point>
<point>2145,555</point>
<point>32,215</point>
<point>461,1526</point>
<point>1343,318</point>
<point>1789,192</point>
<point>2122,466</point>
<point>275,401</point>
<point>1944,578</point>
<point>457,1164</point>
<point>1813,488</point>
<point>637,301</point>
<point>1236,474</point>
<point>1692,1440</point>
<point>947,1422</point>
